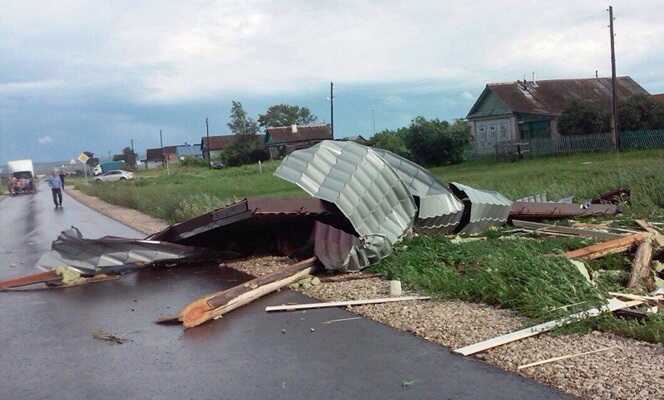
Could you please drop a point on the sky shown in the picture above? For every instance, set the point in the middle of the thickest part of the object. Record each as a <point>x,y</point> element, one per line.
<point>93,75</point>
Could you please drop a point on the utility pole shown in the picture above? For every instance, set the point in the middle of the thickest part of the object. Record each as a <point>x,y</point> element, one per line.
<point>332,108</point>
<point>614,114</point>
<point>207,144</point>
<point>161,142</point>
<point>132,145</point>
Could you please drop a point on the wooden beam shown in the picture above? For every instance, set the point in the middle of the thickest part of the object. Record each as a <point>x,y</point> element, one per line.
<point>41,277</point>
<point>613,305</point>
<point>215,305</point>
<point>295,307</point>
<point>609,247</point>
<point>658,237</point>
<point>642,275</point>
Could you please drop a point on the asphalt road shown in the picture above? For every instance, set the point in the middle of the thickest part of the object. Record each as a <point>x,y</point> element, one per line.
<point>48,351</point>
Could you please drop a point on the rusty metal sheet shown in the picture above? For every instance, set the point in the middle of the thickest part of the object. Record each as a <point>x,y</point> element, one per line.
<point>340,250</point>
<point>540,211</point>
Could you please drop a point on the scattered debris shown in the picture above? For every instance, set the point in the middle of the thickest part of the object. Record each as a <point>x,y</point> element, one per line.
<point>347,303</point>
<point>613,305</point>
<point>642,275</point>
<point>615,196</point>
<point>567,230</point>
<point>550,360</point>
<point>105,336</point>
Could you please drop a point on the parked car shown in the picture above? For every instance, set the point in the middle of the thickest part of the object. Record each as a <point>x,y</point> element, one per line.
<point>115,175</point>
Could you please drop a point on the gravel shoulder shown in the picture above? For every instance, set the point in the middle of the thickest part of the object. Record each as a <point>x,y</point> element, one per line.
<point>633,370</point>
<point>132,218</point>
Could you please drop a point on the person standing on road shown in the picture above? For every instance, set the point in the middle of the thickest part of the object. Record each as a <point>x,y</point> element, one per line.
<point>55,183</point>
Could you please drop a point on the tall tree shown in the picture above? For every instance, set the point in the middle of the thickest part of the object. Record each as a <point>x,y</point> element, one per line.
<point>640,112</point>
<point>583,118</point>
<point>240,123</point>
<point>284,115</point>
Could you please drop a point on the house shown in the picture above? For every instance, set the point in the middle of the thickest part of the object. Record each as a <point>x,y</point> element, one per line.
<point>159,154</point>
<point>188,151</point>
<point>218,143</point>
<point>282,140</point>
<point>524,110</point>
<point>658,97</point>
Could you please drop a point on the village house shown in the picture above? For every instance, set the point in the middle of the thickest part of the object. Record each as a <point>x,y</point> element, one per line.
<point>524,110</point>
<point>155,157</point>
<point>218,143</point>
<point>282,140</point>
<point>187,150</point>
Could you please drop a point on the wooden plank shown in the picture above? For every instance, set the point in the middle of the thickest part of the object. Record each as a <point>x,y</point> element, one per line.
<point>215,305</point>
<point>641,274</point>
<point>295,307</point>
<point>631,296</point>
<point>41,277</point>
<point>613,305</point>
<point>550,360</point>
<point>568,230</point>
<point>609,247</point>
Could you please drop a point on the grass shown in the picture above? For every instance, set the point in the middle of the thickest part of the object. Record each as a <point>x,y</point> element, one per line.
<point>524,275</point>
<point>185,191</point>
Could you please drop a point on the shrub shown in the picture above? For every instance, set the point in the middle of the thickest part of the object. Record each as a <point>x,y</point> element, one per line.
<point>435,142</point>
<point>392,141</point>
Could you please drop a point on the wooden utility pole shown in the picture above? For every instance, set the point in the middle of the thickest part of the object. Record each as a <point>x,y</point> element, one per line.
<point>332,108</point>
<point>614,114</point>
<point>161,141</point>
<point>207,145</point>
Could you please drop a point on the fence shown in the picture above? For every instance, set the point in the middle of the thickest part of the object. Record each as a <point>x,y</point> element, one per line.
<point>629,140</point>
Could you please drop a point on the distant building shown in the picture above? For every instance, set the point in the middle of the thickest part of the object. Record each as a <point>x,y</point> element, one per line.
<point>282,140</point>
<point>188,151</point>
<point>218,143</point>
<point>155,157</point>
<point>522,110</point>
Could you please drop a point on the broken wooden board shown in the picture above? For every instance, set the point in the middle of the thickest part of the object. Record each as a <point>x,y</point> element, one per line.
<point>658,237</point>
<point>41,277</point>
<point>215,305</point>
<point>641,274</point>
<point>613,305</point>
<point>609,247</point>
<point>567,230</point>
<point>346,303</point>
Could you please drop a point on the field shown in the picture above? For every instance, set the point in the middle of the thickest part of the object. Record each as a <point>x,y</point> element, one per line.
<point>521,274</point>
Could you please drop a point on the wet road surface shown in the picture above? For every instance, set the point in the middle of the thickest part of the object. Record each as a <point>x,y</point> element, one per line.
<point>48,350</point>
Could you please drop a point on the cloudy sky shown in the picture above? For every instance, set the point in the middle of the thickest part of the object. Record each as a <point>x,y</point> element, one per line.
<point>91,75</point>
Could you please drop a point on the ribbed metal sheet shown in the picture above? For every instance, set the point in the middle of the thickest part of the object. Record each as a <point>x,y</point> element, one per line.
<point>487,208</point>
<point>362,185</point>
<point>439,208</point>
<point>339,250</point>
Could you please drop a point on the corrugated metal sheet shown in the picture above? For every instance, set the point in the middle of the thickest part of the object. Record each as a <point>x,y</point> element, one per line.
<point>438,207</point>
<point>487,208</point>
<point>361,184</point>
<point>339,250</point>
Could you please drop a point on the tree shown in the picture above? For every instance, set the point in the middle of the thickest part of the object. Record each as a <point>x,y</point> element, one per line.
<point>285,115</point>
<point>239,123</point>
<point>583,118</point>
<point>435,142</point>
<point>640,112</point>
<point>392,141</point>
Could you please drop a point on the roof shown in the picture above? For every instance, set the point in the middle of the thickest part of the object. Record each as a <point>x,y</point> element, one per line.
<point>220,142</point>
<point>659,97</point>
<point>157,154</point>
<point>550,97</point>
<point>297,133</point>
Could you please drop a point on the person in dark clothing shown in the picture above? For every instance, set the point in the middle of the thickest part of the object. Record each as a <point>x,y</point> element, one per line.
<point>62,178</point>
<point>56,186</point>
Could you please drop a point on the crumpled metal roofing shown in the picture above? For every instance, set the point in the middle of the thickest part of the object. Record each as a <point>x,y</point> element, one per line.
<point>108,253</point>
<point>439,208</point>
<point>361,183</point>
<point>487,208</point>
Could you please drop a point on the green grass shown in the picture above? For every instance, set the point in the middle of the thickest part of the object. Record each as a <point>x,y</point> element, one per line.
<point>184,191</point>
<point>526,275</point>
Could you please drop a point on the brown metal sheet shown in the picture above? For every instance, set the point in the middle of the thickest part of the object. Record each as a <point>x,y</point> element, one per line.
<point>539,211</point>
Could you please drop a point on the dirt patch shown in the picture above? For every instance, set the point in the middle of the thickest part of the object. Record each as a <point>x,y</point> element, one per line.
<point>132,218</point>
